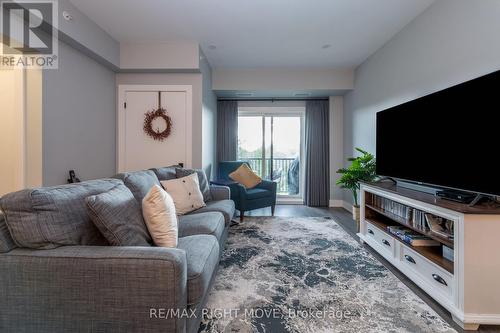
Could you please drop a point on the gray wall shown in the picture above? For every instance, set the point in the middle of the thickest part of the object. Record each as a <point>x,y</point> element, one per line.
<point>451,42</point>
<point>209,118</point>
<point>79,119</point>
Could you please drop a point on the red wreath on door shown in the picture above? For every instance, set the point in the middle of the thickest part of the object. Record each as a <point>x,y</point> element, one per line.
<point>151,116</point>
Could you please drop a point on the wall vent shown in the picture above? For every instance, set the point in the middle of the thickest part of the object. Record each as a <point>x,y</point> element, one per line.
<point>244,94</point>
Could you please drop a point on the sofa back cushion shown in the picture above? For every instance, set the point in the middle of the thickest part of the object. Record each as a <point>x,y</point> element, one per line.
<point>6,242</point>
<point>139,182</point>
<point>118,216</point>
<point>49,217</point>
<point>166,173</point>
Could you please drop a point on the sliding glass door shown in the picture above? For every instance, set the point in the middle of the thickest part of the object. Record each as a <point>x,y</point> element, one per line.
<point>271,141</point>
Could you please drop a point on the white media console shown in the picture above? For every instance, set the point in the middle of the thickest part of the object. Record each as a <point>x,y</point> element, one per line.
<point>468,287</point>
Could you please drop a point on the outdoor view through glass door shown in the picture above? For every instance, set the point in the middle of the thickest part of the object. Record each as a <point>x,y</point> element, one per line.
<point>271,142</point>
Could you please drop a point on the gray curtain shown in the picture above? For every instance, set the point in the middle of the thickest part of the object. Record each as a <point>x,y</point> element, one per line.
<point>317,162</point>
<point>227,130</point>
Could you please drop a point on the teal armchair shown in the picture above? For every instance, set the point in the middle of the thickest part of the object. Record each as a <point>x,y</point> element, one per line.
<point>261,196</point>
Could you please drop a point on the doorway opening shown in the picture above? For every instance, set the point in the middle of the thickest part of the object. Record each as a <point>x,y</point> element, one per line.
<point>271,140</point>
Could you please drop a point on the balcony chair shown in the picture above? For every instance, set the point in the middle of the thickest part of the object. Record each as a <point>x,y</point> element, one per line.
<point>262,195</point>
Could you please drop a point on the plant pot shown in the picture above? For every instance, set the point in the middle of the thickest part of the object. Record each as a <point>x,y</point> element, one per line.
<point>356,216</point>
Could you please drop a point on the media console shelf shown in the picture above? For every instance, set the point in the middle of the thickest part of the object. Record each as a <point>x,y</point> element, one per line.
<point>468,286</point>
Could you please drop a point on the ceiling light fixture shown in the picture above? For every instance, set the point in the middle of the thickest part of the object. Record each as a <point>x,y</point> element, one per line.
<point>326,46</point>
<point>212,47</point>
<point>67,16</point>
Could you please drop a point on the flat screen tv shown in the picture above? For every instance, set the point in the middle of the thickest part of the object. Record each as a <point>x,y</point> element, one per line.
<point>448,139</point>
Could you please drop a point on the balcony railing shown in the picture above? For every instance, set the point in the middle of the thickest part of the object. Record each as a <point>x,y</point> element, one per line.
<point>287,184</point>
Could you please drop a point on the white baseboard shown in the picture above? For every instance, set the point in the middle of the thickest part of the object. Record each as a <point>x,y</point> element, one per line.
<point>289,201</point>
<point>341,204</point>
<point>336,203</point>
<point>347,206</point>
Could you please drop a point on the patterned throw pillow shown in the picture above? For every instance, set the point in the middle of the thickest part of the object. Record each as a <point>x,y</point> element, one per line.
<point>245,176</point>
<point>185,192</point>
<point>202,179</point>
<point>117,215</point>
<point>158,210</point>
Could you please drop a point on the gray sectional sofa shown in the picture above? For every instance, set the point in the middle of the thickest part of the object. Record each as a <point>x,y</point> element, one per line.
<point>59,274</point>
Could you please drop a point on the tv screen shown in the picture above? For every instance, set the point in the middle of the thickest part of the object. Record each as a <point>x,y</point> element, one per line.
<point>448,139</point>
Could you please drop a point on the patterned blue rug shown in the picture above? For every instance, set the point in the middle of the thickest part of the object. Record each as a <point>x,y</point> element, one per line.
<point>308,275</point>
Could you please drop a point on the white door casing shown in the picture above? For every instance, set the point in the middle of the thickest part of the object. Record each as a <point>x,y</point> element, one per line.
<point>136,150</point>
<point>20,129</point>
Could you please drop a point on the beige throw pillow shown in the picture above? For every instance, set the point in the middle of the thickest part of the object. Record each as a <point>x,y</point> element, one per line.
<point>245,176</point>
<point>185,192</point>
<point>158,210</point>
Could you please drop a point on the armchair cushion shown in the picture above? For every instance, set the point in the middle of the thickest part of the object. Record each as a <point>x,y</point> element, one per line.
<point>268,185</point>
<point>256,193</point>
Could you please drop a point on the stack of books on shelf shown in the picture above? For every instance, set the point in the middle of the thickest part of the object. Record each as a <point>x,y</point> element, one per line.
<point>411,237</point>
<point>392,207</point>
<point>419,220</point>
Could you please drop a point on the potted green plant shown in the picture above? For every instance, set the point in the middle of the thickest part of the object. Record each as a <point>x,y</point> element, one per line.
<point>362,168</point>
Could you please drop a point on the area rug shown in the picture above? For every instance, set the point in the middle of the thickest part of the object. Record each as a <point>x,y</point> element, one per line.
<point>308,275</point>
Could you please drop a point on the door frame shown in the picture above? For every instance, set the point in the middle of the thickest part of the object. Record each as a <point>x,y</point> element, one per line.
<point>120,128</point>
<point>26,129</point>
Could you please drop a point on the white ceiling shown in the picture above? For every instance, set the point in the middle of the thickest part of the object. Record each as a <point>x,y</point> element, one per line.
<point>261,33</point>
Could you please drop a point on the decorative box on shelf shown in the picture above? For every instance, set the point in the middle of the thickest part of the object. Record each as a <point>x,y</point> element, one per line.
<point>419,234</point>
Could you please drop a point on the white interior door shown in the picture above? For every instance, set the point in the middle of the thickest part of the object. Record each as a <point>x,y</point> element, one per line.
<point>137,150</point>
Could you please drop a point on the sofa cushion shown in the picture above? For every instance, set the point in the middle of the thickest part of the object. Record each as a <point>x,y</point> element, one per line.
<point>257,193</point>
<point>118,216</point>
<point>166,173</point>
<point>6,242</point>
<point>202,180</point>
<point>139,182</point>
<point>226,207</point>
<point>159,212</point>
<point>210,223</point>
<point>49,217</point>
<point>202,254</point>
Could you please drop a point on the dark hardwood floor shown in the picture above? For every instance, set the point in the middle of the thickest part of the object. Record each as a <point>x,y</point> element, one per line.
<point>344,218</point>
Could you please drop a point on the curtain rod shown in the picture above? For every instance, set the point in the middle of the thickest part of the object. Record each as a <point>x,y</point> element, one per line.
<point>273,99</point>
